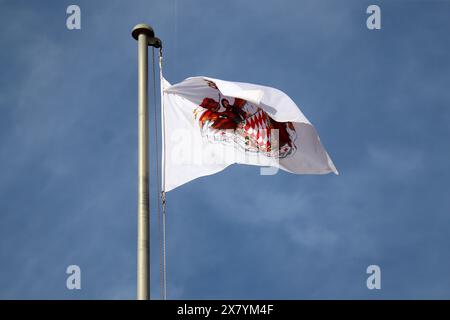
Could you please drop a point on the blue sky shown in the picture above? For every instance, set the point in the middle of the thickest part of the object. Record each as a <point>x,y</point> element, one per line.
<point>68,151</point>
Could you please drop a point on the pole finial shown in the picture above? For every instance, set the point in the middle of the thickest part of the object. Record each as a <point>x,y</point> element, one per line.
<point>142,28</point>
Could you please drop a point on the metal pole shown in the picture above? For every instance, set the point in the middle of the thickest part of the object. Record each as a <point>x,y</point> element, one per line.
<point>142,33</point>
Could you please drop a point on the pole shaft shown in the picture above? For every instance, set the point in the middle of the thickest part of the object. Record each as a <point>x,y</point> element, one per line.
<point>143,265</point>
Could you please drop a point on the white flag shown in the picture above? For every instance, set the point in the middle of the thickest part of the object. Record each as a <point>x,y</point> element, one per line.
<point>209,124</point>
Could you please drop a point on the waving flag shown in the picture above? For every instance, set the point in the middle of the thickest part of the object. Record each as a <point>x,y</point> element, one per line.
<point>210,124</point>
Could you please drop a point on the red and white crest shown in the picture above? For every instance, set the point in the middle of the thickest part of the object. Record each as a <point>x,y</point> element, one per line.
<point>244,124</point>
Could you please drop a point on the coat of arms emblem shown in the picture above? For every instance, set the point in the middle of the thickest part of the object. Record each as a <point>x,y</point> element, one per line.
<point>234,120</point>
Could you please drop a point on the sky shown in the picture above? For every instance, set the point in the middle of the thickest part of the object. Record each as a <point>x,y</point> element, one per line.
<point>379,99</point>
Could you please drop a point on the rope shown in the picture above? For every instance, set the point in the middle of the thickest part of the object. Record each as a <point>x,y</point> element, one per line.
<point>163,130</point>
<point>163,198</point>
<point>161,216</point>
<point>163,192</point>
<point>161,233</point>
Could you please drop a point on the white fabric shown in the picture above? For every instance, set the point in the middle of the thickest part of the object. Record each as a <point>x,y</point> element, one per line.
<point>192,151</point>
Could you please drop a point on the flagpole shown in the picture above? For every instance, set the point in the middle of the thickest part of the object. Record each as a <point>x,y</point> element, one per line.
<point>143,33</point>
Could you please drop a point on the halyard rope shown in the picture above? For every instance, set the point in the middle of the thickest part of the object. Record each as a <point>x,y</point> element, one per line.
<point>161,218</point>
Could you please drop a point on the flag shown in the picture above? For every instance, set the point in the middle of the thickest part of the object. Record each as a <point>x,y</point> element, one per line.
<point>209,124</point>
